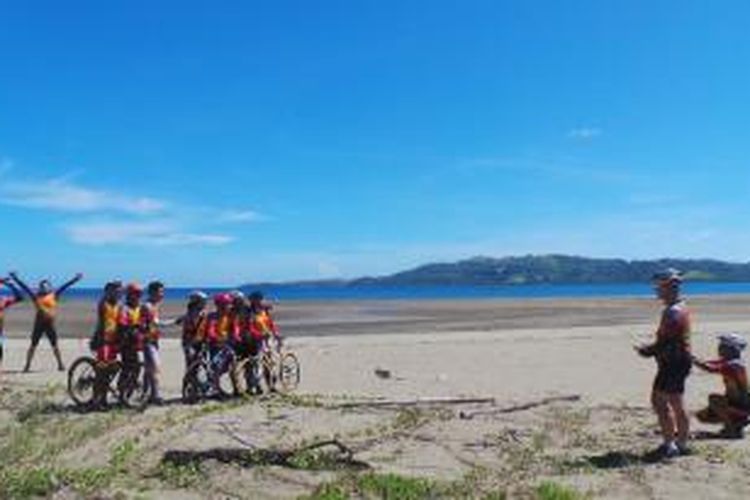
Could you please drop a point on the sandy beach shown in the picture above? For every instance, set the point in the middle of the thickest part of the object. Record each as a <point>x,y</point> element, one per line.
<point>514,352</point>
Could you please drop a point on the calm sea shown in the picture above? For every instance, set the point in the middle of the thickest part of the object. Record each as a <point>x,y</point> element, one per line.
<point>289,292</point>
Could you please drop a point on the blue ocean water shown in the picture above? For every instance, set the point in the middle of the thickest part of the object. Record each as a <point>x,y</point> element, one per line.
<point>303,292</point>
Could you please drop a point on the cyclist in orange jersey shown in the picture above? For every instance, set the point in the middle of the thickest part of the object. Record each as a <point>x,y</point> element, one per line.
<point>45,301</point>
<point>193,326</point>
<point>221,328</point>
<point>6,302</point>
<point>130,331</point>
<point>104,342</point>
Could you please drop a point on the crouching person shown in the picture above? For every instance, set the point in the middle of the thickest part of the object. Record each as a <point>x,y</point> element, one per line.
<point>732,409</point>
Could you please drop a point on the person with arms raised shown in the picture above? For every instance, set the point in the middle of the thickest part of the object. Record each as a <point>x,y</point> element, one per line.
<point>45,301</point>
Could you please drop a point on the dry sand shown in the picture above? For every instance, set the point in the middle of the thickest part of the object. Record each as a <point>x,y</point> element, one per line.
<point>516,352</point>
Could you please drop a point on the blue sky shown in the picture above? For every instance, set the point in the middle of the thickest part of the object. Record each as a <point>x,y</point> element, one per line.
<point>223,142</point>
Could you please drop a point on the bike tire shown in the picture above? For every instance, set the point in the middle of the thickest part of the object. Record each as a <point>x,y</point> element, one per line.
<point>289,372</point>
<point>241,369</point>
<point>194,383</point>
<point>82,381</point>
<point>134,392</point>
<point>227,385</point>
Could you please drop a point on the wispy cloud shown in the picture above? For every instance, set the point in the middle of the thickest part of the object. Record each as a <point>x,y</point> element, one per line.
<point>64,196</point>
<point>584,133</point>
<point>240,216</point>
<point>550,167</point>
<point>121,218</point>
<point>146,233</point>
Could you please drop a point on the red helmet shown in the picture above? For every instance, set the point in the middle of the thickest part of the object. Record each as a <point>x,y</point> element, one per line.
<point>134,289</point>
<point>222,299</point>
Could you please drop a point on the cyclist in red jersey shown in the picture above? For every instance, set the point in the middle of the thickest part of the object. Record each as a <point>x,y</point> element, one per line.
<point>733,407</point>
<point>45,301</point>
<point>5,303</point>
<point>262,329</point>
<point>671,349</point>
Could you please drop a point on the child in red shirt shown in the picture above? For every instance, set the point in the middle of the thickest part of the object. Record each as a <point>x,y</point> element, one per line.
<point>733,407</point>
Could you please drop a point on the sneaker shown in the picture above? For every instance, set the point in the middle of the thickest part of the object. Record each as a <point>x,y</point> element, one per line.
<point>666,450</point>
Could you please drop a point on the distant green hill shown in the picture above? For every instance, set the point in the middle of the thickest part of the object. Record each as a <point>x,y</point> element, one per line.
<point>553,269</point>
<point>558,269</point>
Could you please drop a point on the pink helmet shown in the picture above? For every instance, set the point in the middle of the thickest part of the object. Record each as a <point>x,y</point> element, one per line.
<point>222,299</point>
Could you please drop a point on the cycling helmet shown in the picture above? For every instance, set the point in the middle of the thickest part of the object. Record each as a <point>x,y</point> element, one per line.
<point>669,275</point>
<point>222,299</point>
<point>113,286</point>
<point>256,297</point>
<point>134,289</point>
<point>197,296</point>
<point>733,341</point>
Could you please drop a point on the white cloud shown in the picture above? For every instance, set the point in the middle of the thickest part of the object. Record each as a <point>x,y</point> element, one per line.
<point>154,233</point>
<point>584,133</point>
<point>64,196</point>
<point>240,216</point>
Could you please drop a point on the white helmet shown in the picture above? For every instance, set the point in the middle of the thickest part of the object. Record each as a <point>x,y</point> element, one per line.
<point>197,296</point>
<point>733,341</point>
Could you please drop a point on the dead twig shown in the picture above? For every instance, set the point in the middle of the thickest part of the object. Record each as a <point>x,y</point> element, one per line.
<point>414,402</point>
<point>468,415</point>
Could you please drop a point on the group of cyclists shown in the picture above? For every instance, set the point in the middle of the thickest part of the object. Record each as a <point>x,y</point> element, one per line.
<point>129,327</point>
<point>239,326</point>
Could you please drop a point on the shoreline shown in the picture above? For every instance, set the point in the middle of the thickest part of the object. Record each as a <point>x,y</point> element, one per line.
<point>320,318</point>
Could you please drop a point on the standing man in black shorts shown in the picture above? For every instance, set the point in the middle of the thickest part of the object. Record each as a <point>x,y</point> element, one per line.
<point>45,301</point>
<point>672,352</point>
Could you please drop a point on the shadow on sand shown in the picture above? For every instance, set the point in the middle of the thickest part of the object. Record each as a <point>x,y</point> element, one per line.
<point>624,459</point>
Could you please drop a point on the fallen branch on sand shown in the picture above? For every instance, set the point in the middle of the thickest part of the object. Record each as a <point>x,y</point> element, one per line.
<point>415,402</point>
<point>297,458</point>
<point>283,456</point>
<point>468,415</point>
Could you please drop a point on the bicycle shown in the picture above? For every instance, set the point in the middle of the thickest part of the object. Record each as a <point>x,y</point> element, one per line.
<point>198,383</point>
<point>279,368</point>
<point>127,383</point>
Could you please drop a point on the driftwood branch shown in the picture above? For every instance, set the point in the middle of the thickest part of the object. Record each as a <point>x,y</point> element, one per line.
<point>347,452</point>
<point>414,402</point>
<point>468,415</point>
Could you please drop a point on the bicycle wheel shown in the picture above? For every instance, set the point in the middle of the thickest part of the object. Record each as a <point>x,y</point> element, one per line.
<point>269,370</point>
<point>134,392</point>
<point>196,383</point>
<point>241,371</point>
<point>82,381</point>
<point>228,384</point>
<point>289,371</point>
